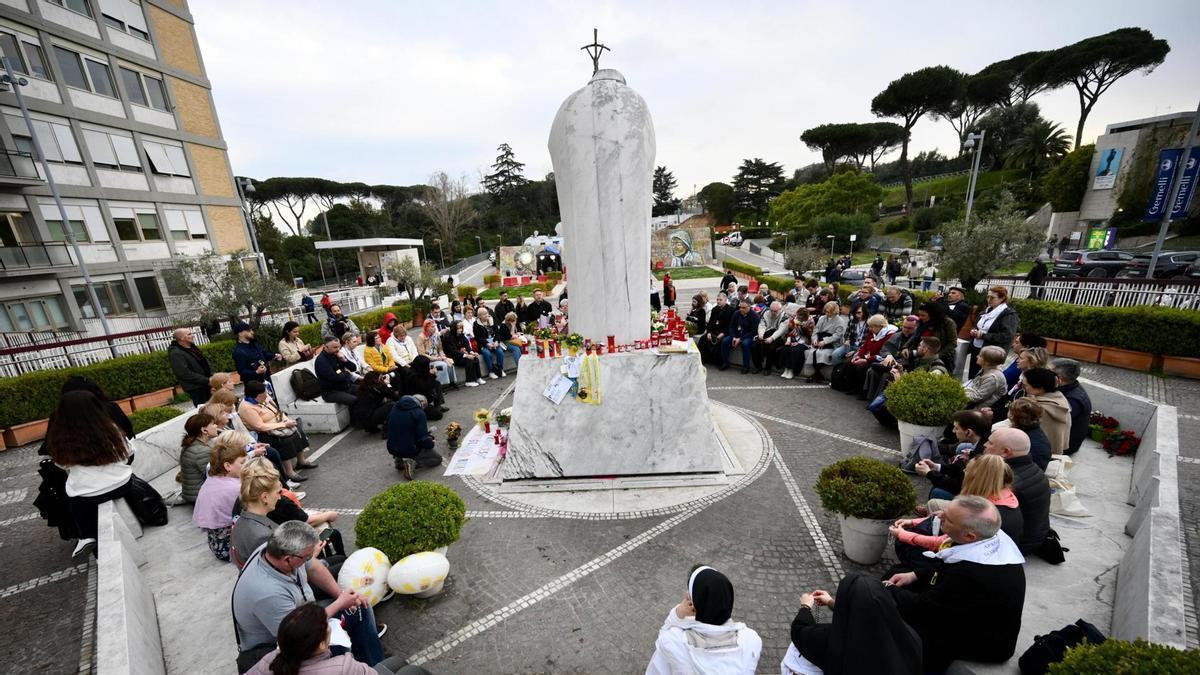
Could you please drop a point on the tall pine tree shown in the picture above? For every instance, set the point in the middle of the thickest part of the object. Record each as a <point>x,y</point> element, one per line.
<point>757,183</point>
<point>664,192</point>
<point>507,174</point>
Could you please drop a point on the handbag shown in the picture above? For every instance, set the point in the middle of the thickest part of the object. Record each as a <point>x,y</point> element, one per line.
<point>51,501</point>
<point>145,502</point>
<point>1052,647</point>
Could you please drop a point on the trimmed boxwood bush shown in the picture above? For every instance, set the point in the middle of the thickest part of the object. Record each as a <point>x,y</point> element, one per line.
<point>1164,331</point>
<point>554,275</point>
<point>863,487</point>
<point>409,518</point>
<point>490,279</point>
<point>152,417</point>
<point>464,290</point>
<point>1116,657</point>
<point>924,398</point>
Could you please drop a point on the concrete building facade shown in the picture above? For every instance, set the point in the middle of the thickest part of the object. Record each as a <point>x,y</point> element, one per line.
<point>123,109</point>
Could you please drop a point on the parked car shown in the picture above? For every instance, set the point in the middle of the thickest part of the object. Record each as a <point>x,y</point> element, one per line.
<point>852,277</point>
<point>1170,264</point>
<point>1096,264</point>
<point>734,239</point>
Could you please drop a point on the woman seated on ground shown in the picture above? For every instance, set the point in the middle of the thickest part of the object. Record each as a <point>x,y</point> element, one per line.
<point>987,476</point>
<point>1026,414</point>
<point>198,432</point>
<point>262,415</point>
<point>699,635</point>
<point>697,317</point>
<point>375,399</point>
<point>376,355</point>
<point>986,388</point>
<point>421,379</point>
<point>850,376</point>
<point>1041,385</point>
<point>867,635</point>
<point>220,381</point>
<point>82,439</point>
<point>458,347</point>
<point>291,347</point>
<point>827,336</point>
<point>853,337</point>
<point>429,345</point>
<point>1020,343</point>
<point>508,334</point>
<point>305,638</point>
<point>219,493</point>
<point>487,340</point>
<point>795,347</point>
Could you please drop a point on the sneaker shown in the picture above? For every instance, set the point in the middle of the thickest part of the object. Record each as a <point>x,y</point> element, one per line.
<point>481,381</point>
<point>787,374</point>
<point>406,467</point>
<point>298,478</point>
<point>472,384</point>
<point>493,376</point>
<point>382,629</point>
<point>308,465</point>
<point>445,408</point>
<point>503,374</point>
<point>84,547</point>
<point>301,494</point>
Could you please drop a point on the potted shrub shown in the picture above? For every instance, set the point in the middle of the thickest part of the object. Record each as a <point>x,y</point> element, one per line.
<point>867,495</point>
<point>1117,657</point>
<point>923,403</point>
<point>410,518</point>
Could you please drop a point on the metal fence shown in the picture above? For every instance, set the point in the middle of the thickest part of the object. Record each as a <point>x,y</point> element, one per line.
<point>1178,293</point>
<point>51,350</point>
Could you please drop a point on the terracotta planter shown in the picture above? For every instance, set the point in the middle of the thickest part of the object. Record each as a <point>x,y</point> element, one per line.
<point>155,399</point>
<point>1182,366</point>
<point>1052,345</point>
<point>22,434</point>
<point>1126,358</point>
<point>1080,351</point>
<point>126,405</point>
<point>3,445</point>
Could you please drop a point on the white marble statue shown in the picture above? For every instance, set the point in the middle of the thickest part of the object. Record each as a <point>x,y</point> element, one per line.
<point>602,147</point>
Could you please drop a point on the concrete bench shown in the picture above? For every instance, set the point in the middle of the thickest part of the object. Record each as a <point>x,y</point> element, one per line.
<point>318,415</point>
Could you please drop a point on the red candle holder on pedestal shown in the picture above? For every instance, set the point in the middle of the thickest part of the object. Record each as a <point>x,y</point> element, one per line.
<point>612,342</point>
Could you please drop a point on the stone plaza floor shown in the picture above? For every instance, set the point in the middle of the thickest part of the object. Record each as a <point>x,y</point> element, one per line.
<point>534,590</point>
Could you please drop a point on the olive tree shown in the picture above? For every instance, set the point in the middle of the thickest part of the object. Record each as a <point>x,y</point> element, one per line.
<point>993,240</point>
<point>213,286</point>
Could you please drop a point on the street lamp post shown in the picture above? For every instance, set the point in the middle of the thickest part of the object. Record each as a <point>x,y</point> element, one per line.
<point>245,186</point>
<point>13,82</point>
<point>971,138</point>
<point>480,244</point>
<point>441,254</point>
<point>785,243</point>
<point>332,253</point>
<point>830,237</point>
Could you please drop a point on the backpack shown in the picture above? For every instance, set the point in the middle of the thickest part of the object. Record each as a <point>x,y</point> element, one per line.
<point>1052,647</point>
<point>923,447</point>
<point>305,384</point>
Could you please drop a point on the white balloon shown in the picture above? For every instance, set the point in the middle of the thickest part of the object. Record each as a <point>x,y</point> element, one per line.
<point>418,572</point>
<point>366,572</point>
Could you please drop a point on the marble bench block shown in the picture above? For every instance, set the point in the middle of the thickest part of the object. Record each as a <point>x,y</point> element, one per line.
<point>654,418</point>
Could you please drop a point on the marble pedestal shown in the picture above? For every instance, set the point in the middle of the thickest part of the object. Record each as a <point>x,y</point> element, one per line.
<point>654,418</point>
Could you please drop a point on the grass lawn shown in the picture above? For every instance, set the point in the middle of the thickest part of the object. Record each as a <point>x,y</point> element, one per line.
<point>1019,269</point>
<point>678,273</point>
<point>513,291</point>
<point>948,187</point>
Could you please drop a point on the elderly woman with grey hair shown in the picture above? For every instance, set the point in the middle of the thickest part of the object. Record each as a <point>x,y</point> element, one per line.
<point>828,335</point>
<point>989,385</point>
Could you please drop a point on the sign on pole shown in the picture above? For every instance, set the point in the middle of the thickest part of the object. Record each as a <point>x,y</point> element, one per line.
<point>1184,198</point>
<point>1167,160</point>
<point>854,237</point>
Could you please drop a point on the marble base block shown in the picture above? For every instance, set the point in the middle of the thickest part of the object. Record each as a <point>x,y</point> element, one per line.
<point>654,418</point>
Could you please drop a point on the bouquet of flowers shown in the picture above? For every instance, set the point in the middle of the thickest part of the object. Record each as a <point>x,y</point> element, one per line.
<point>504,417</point>
<point>544,333</point>
<point>483,417</point>
<point>573,340</point>
<point>453,432</point>
<point>1122,442</point>
<point>1101,426</point>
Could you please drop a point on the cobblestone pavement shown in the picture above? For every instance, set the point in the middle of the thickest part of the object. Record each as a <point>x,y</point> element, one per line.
<point>544,594</point>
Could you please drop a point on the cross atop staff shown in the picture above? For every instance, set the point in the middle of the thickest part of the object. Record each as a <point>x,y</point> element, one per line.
<point>595,49</point>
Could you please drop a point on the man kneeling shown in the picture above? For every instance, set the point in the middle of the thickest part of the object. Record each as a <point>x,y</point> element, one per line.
<point>409,440</point>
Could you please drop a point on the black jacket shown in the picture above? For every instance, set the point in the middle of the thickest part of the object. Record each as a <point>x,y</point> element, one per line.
<point>483,334</point>
<point>367,403</point>
<point>503,307</point>
<point>1033,493</point>
<point>539,308</point>
<point>957,311</point>
<point>865,615</point>
<point>1081,411</point>
<point>190,367</point>
<point>1039,446</point>
<point>744,327</point>
<point>697,319</point>
<point>333,373</point>
<point>718,319</point>
<point>1002,330</point>
<point>408,432</point>
<point>725,280</point>
<point>964,594</point>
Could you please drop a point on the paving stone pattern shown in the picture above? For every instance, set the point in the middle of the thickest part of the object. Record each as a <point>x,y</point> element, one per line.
<point>533,592</point>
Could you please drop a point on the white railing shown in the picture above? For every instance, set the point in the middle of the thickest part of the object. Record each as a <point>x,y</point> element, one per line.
<point>1181,294</point>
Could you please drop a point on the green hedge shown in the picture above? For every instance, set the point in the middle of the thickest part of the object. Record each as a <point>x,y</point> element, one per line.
<point>152,417</point>
<point>408,518</point>
<point>33,396</point>
<point>1117,657</point>
<point>1163,331</point>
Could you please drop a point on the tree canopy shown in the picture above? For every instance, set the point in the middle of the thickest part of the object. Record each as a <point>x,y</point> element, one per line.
<point>1040,146</point>
<point>717,199</point>
<point>846,193</point>
<point>507,173</point>
<point>664,186</point>
<point>1015,80</point>
<point>756,183</point>
<point>218,287</point>
<point>1067,182</point>
<point>995,239</point>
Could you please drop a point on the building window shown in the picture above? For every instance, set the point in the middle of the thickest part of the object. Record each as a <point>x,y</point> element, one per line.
<point>148,224</point>
<point>136,224</point>
<point>147,289</point>
<point>26,57</point>
<point>58,143</point>
<point>143,89</point>
<point>32,314</point>
<point>15,230</point>
<point>80,6</point>
<point>165,159</point>
<point>77,227</point>
<point>185,225</point>
<point>114,299</point>
<point>112,150</point>
<point>84,72</point>
<point>125,16</point>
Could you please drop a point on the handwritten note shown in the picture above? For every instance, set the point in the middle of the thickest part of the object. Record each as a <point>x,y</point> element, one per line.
<point>557,389</point>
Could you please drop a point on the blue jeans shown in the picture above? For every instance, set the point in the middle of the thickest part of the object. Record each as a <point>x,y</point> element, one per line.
<point>840,353</point>
<point>364,635</point>
<point>746,346</point>
<point>493,359</point>
<point>939,493</point>
<point>445,372</point>
<point>514,352</point>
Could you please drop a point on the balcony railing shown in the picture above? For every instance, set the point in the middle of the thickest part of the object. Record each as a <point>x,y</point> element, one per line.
<point>18,168</point>
<point>27,256</point>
